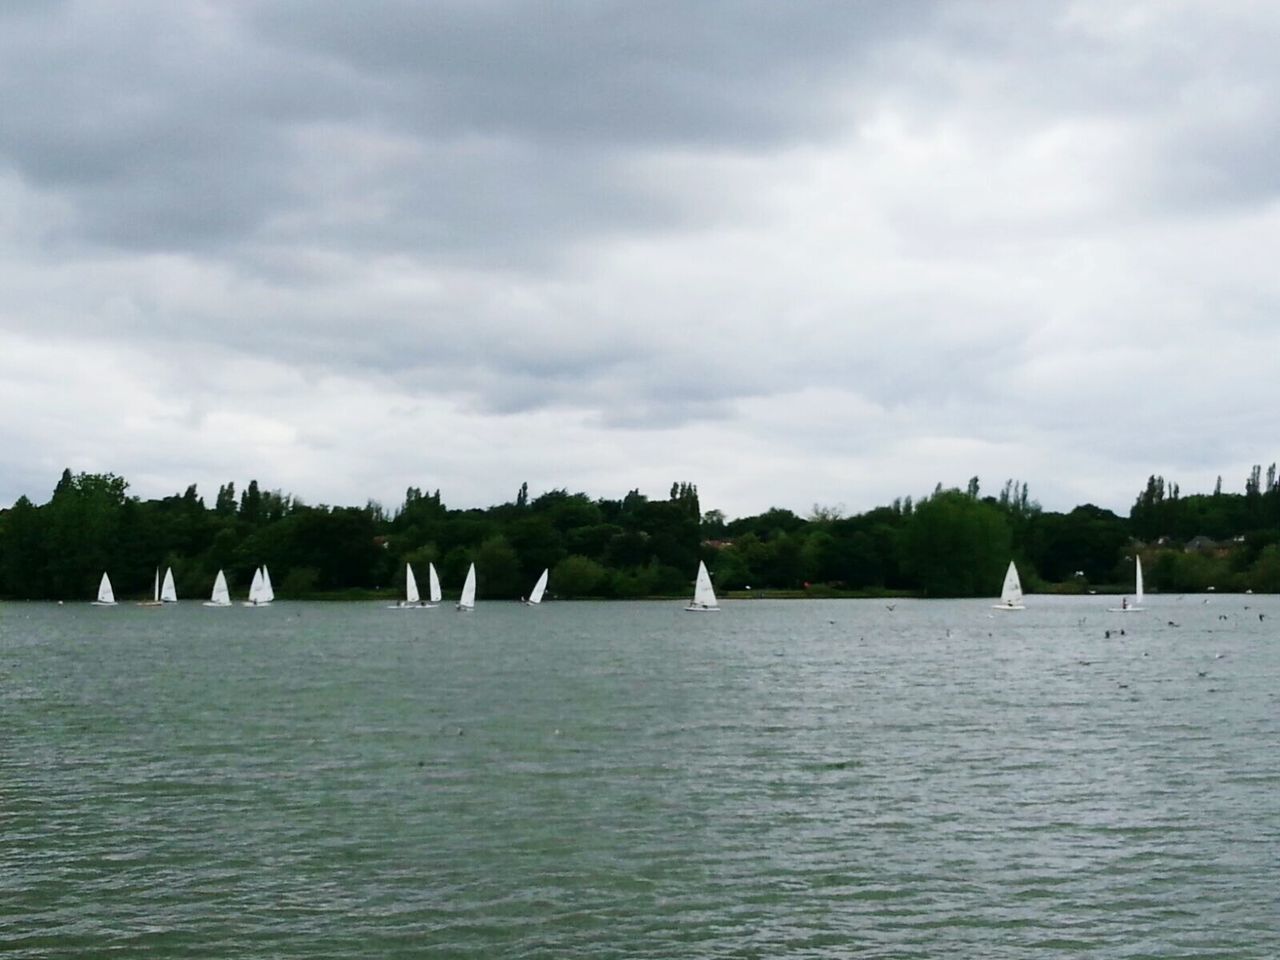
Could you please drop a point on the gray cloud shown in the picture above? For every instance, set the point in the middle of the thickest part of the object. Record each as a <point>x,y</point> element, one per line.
<point>716,73</point>
<point>506,127</point>
<point>883,244</point>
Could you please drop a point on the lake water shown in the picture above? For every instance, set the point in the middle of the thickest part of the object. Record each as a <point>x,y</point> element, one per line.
<point>781,779</point>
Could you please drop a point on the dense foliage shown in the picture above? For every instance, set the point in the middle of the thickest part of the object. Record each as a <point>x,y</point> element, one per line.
<point>951,543</point>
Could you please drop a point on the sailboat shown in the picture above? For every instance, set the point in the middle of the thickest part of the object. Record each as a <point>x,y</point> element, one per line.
<point>704,596</point>
<point>221,596</point>
<point>412,599</point>
<point>539,589</point>
<point>155,593</point>
<point>168,592</point>
<point>106,596</point>
<point>260,590</point>
<point>1138,593</point>
<point>467,602</point>
<point>255,589</point>
<point>1011,592</point>
<point>433,586</point>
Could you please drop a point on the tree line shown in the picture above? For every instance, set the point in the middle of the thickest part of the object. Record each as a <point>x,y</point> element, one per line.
<point>954,542</point>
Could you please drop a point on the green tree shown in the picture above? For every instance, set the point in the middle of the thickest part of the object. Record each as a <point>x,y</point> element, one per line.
<point>956,546</point>
<point>1264,576</point>
<point>83,524</point>
<point>498,573</point>
<point>225,505</point>
<point>536,542</point>
<point>251,503</point>
<point>713,524</point>
<point>577,576</point>
<point>1087,540</point>
<point>23,557</point>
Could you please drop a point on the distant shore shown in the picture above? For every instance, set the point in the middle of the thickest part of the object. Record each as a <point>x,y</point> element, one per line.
<point>813,593</point>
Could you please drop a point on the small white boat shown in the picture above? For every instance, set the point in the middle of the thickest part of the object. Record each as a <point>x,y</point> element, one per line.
<point>255,589</point>
<point>433,586</point>
<point>539,589</point>
<point>221,596</point>
<point>168,592</point>
<point>467,602</point>
<point>260,590</point>
<point>1138,593</point>
<point>106,596</point>
<point>412,599</point>
<point>1011,592</point>
<point>155,593</point>
<point>704,595</point>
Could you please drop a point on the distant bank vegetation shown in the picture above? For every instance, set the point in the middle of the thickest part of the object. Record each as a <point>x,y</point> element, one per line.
<point>952,543</point>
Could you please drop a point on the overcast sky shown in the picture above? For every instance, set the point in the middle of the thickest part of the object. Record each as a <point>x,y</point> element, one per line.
<point>796,253</point>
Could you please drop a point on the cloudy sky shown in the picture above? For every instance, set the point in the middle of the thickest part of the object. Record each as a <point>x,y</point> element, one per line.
<point>796,253</point>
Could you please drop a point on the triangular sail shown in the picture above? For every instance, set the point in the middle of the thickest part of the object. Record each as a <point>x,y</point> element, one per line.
<point>155,593</point>
<point>468,599</point>
<point>433,583</point>
<point>221,596</point>
<point>255,587</point>
<point>268,591</point>
<point>1011,592</point>
<point>105,594</point>
<point>168,592</point>
<point>539,588</point>
<point>410,585</point>
<point>1139,592</point>
<point>704,595</point>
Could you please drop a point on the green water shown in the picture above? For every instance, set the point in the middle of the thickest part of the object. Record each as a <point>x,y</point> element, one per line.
<point>781,779</point>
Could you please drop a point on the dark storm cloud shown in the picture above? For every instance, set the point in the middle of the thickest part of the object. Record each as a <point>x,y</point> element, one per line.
<point>161,133</point>
<point>606,72</point>
<point>173,131</point>
<point>497,132</point>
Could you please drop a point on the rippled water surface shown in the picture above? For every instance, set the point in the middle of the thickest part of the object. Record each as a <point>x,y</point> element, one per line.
<point>781,779</point>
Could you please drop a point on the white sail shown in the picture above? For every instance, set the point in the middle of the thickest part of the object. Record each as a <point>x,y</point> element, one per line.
<point>221,596</point>
<point>704,595</point>
<point>106,596</point>
<point>1011,592</point>
<point>468,599</point>
<point>268,591</point>
<point>155,600</point>
<point>411,594</point>
<point>1138,593</point>
<point>539,588</point>
<point>255,587</point>
<point>433,583</point>
<point>168,592</point>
